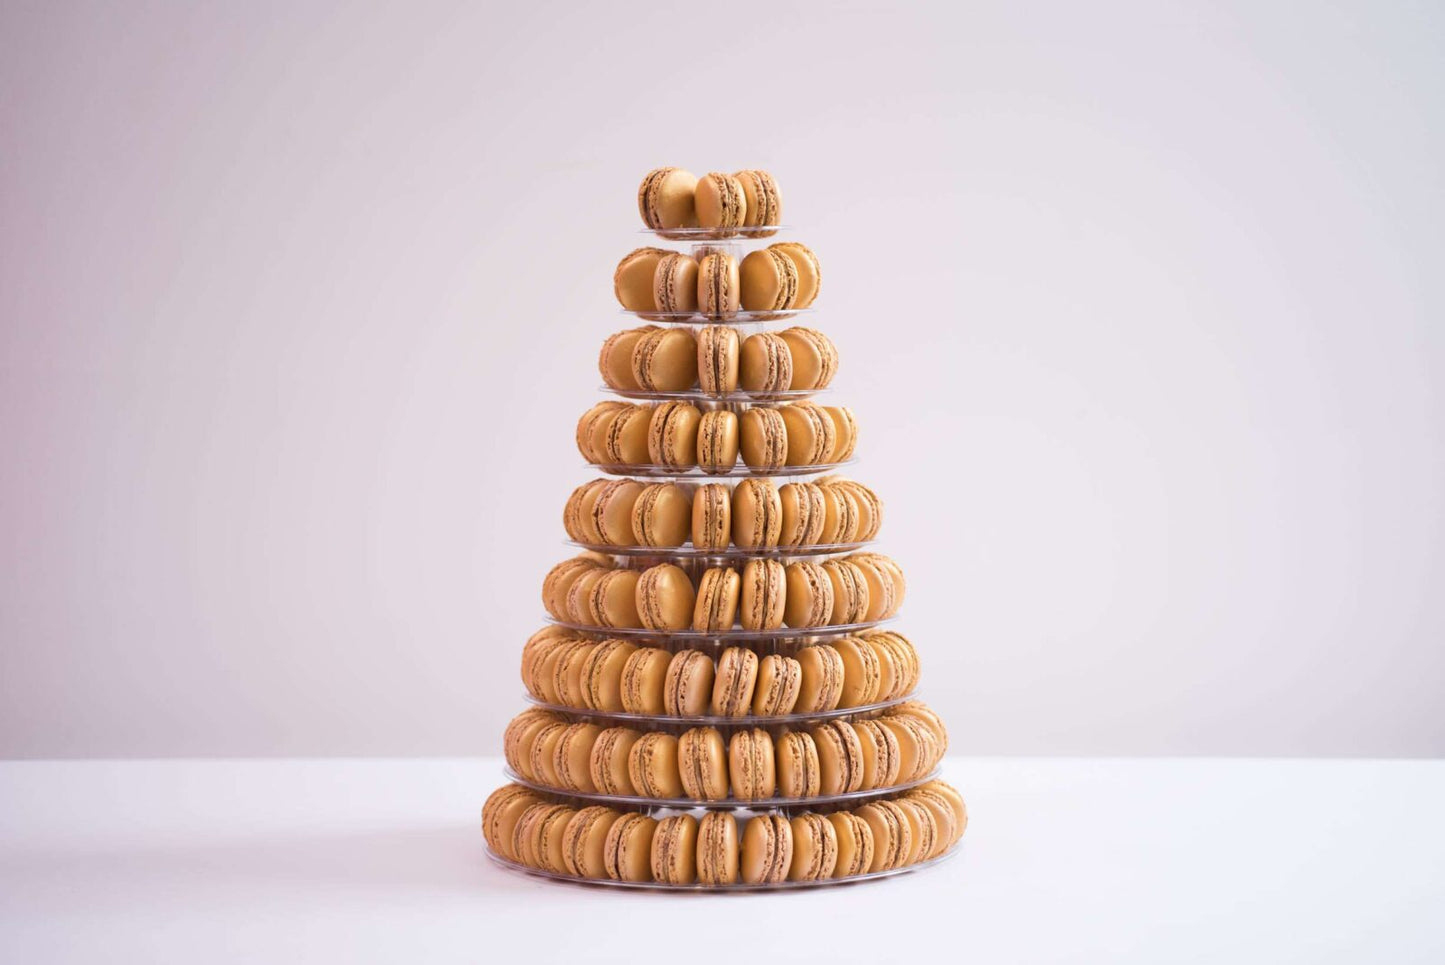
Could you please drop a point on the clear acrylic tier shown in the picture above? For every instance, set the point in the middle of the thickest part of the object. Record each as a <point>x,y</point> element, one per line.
<point>739,317</point>
<point>717,234</point>
<point>723,638</point>
<point>739,471</point>
<point>740,396</point>
<point>690,552</point>
<point>666,721</point>
<point>739,888</point>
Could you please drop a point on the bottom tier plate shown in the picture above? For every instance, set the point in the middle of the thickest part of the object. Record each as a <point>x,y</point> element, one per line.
<point>727,889</point>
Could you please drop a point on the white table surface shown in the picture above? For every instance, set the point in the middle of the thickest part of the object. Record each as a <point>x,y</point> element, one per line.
<point>381,860</point>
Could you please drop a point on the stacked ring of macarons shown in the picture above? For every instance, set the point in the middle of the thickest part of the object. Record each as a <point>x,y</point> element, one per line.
<point>766,595</point>
<point>755,514</point>
<point>597,842</point>
<point>900,746</point>
<point>674,203</point>
<point>662,284</point>
<point>717,360</point>
<point>563,668</point>
<point>677,436</point>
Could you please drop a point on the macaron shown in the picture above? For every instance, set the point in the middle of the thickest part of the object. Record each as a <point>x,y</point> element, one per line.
<point>717,285</point>
<point>767,849</point>
<point>763,595</point>
<point>892,837</point>
<point>764,363</point>
<point>882,590</point>
<point>539,835</point>
<point>559,580</point>
<point>577,514</point>
<point>611,517</point>
<point>869,506</point>
<point>944,820</point>
<point>614,600</point>
<point>712,516</point>
<point>769,281</point>
<point>855,844</point>
<point>609,764</point>
<point>624,442</point>
<point>776,691</point>
<point>689,684</point>
<point>674,284</point>
<point>763,438</point>
<point>840,516</point>
<point>763,201</point>
<point>960,811</point>
<point>808,600</point>
<point>717,359</point>
<point>891,572</point>
<point>627,851</point>
<point>736,676</point>
<point>541,761</point>
<point>643,679</point>
<point>584,841</point>
<point>665,199</point>
<point>661,515</point>
<point>719,201</point>
<point>538,645</point>
<point>672,435</point>
<point>922,830</point>
<point>860,672</point>
<point>751,766</point>
<point>702,764</point>
<point>717,441</point>
<point>811,435</point>
<point>850,592</point>
<point>664,598</point>
<point>614,361</point>
<point>926,716</point>
<point>815,848</point>
<point>802,514</point>
<point>810,273</point>
<point>674,850</point>
<point>602,675</point>
<point>814,356</point>
<point>572,759</point>
<point>797,758</point>
<point>632,281</point>
<point>717,599</point>
<point>517,744</point>
<point>889,675</point>
<point>757,514</point>
<point>565,687</point>
<point>665,360</point>
<point>652,766</point>
<point>840,757</point>
<point>913,748</point>
<point>847,431</point>
<point>820,684</point>
<point>881,759</point>
<point>503,808</point>
<point>592,427</point>
<point>717,848</point>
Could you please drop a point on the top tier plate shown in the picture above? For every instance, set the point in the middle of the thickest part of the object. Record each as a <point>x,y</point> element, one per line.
<point>739,317</point>
<point>717,234</point>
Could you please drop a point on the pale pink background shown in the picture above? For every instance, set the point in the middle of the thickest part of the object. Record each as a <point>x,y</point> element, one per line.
<point>1139,305</point>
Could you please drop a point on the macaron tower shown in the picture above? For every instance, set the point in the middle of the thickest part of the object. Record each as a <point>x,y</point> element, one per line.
<point>720,699</point>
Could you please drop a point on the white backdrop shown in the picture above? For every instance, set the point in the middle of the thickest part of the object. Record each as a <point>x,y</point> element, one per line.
<point>1139,308</point>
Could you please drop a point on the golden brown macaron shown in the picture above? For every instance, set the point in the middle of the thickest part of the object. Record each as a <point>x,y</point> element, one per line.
<point>757,514</point>
<point>815,358</point>
<point>767,849</point>
<point>559,581</point>
<point>611,516</point>
<point>674,284</point>
<point>811,434</point>
<point>882,588</point>
<point>764,363</point>
<point>803,514</point>
<point>602,675</point>
<point>751,768</point>
<point>717,599</point>
<point>652,765</point>
<point>584,841</point>
<point>960,811</point>
<point>850,592</point>
<point>763,438</point>
<point>925,714</point>
<point>611,753</point>
<point>797,758</point>
<point>572,758</point>
<point>855,844</point>
<point>860,672</point>
<point>776,691</point>
<point>592,427</point>
<point>763,595</point>
<point>717,359</point>
<point>764,202</point>
<point>661,515</point>
<point>627,852</point>
<point>945,821</point>
<point>717,848</point>
<point>847,431</point>
<point>892,836</point>
<point>712,516</point>
<point>674,850</point>
<point>666,199</point>
<point>689,684</point>
<point>769,281</point>
<point>614,600</point>
<point>840,757</point>
<point>625,441</point>
<point>736,676</point>
<point>541,765</point>
<point>537,647</point>
<point>821,683</point>
<point>717,285</point>
<point>539,835</point>
<point>672,435</point>
<point>889,675</point>
<point>702,764</point>
<point>632,281</point>
<point>840,516</point>
<point>881,756</point>
<point>815,848</point>
<point>500,814</point>
<point>665,598</point>
<point>564,669</point>
<point>719,201</point>
<point>717,441</point>
<point>644,678</point>
<point>521,736</point>
<point>866,501</point>
<point>665,360</point>
<point>808,599</point>
<point>922,829</point>
<point>810,273</point>
<point>614,361</point>
<point>577,514</point>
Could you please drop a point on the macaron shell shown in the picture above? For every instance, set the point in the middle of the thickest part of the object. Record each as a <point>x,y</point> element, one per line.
<point>815,358</point>
<point>717,849</point>
<point>767,849</point>
<point>632,281</point>
<point>810,272</point>
<point>690,678</point>
<point>614,361</point>
<point>757,514</point>
<point>717,441</point>
<point>763,438</point>
<point>802,514</point>
<point>674,850</point>
<point>665,598</point>
<point>797,759</point>
<point>764,363</point>
<point>846,428</point>
<point>808,599</point>
<point>712,521</point>
<point>810,432</point>
<point>880,754</point>
<point>627,436</point>
<point>652,765</point>
<point>609,764</point>
<point>769,281</point>
<point>665,360</point>
<point>815,848</point>
<point>850,592</point>
<point>718,286</point>
<point>573,759</point>
<point>672,435</point>
<point>889,678</point>
<point>614,600</point>
<point>550,833</point>
<point>643,678</point>
<point>628,849</point>
<point>860,672</point>
<point>702,764</point>
<point>737,675</point>
<point>717,359</point>
<point>821,681</point>
<point>881,594</point>
<point>661,516</point>
<point>763,590</point>
<point>719,201</point>
<point>674,284</point>
<point>666,199</point>
<point>612,511</point>
<point>776,691</point>
<point>840,757</point>
<point>717,600</point>
<point>764,202</point>
<point>751,764</point>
